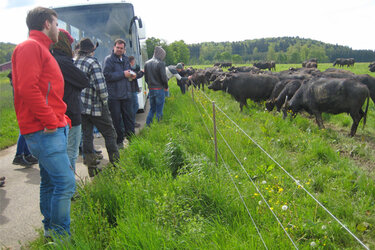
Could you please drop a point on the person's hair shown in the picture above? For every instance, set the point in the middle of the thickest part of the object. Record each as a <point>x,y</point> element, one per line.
<point>37,17</point>
<point>131,58</point>
<point>120,41</point>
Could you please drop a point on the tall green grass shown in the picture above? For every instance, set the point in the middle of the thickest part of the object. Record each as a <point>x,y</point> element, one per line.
<point>168,192</point>
<point>8,123</point>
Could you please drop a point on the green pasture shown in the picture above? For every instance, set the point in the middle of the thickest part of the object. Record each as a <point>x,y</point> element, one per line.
<point>169,193</point>
<point>8,123</point>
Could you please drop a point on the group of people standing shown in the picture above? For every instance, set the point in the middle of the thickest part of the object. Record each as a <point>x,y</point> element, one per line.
<point>60,96</point>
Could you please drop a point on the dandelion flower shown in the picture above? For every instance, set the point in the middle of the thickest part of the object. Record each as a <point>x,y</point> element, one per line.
<point>285,207</point>
<point>256,194</point>
<point>236,176</point>
<point>313,244</point>
<point>280,189</point>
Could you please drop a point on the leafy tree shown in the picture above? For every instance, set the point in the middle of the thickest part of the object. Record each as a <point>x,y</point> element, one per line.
<point>151,43</point>
<point>237,59</point>
<point>181,52</point>
<point>271,55</point>
<point>6,51</point>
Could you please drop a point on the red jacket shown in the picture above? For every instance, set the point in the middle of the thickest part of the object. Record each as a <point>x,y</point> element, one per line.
<point>38,85</point>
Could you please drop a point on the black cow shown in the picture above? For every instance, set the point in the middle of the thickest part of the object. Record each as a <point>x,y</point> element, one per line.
<point>265,65</point>
<point>344,61</point>
<point>372,67</point>
<point>331,95</point>
<point>284,95</point>
<point>225,65</point>
<point>243,86</point>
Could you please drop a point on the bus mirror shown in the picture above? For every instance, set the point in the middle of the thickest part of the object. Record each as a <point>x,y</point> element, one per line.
<point>141,29</point>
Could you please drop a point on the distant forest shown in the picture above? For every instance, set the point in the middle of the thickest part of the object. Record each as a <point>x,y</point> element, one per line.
<point>6,50</point>
<point>280,50</point>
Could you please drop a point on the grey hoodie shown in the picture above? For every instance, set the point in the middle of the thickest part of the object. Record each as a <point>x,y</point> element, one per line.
<point>155,74</point>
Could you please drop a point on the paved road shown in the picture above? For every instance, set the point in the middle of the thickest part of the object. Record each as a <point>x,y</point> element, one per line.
<point>19,199</point>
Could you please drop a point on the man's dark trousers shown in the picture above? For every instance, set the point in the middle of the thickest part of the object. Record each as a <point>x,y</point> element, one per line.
<point>122,112</point>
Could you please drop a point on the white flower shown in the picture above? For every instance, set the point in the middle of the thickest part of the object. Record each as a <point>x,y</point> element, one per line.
<point>245,159</point>
<point>285,207</point>
<point>313,244</point>
<point>264,182</point>
<point>260,202</point>
<point>324,227</point>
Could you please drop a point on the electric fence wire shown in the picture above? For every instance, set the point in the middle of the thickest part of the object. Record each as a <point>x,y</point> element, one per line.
<point>294,179</point>
<point>234,183</point>
<point>252,181</point>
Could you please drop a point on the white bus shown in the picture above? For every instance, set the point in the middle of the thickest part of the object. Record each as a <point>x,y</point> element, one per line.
<point>104,23</point>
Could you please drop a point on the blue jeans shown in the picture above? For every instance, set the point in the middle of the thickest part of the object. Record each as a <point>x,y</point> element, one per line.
<point>135,103</point>
<point>57,182</point>
<point>22,146</point>
<point>74,139</point>
<point>156,105</point>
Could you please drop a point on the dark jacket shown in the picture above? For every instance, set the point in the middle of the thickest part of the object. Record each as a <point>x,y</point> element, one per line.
<point>134,83</point>
<point>75,80</point>
<point>155,74</point>
<point>119,87</point>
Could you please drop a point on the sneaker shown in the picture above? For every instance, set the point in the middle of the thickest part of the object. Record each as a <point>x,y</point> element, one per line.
<point>30,158</point>
<point>120,145</point>
<point>2,181</point>
<point>97,151</point>
<point>93,171</point>
<point>20,160</point>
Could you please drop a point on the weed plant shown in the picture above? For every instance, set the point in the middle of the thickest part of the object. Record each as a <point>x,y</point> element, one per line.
<point>169,193</point>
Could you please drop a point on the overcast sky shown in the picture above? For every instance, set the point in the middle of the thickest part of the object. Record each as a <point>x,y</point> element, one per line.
<point>343,22</point>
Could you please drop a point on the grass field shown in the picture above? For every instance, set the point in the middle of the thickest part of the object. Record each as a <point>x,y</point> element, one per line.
<point>8,123</point>
<point>168,192</point>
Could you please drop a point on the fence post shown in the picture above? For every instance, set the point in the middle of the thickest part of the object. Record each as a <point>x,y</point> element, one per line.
<point>192,92</point>
<point>215,137</point>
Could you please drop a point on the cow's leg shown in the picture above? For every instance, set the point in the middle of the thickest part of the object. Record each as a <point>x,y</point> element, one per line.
<point>319,119</point>
<point>356,116</point>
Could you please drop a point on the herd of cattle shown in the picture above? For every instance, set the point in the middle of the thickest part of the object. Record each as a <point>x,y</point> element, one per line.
<point>332,91</point>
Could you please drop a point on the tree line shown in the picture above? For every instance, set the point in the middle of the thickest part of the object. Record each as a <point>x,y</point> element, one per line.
<point>280,50</point>
<point>6,50</point>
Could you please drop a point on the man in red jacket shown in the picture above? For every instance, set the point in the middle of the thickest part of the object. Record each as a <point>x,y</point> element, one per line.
<point>38,99</point>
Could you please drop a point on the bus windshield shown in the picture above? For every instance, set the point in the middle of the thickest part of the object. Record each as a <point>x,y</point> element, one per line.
<point>102,23</point>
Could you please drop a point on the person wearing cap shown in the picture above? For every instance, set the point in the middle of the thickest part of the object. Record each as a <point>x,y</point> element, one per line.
<point>38,100</point>
<point>75,81</point>
<point>180,83</point>
<point>95,107</point>
<point>117,72</point>
<point>174,70</point>
<point>157,81</point>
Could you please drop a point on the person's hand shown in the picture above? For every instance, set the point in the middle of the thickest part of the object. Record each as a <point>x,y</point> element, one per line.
<point>189,77</point>
<point>165,89</point>
<point>127,73</point>
<point>48,131</point>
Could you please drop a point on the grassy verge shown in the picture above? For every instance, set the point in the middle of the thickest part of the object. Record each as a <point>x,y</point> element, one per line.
<point>8,123</point>
<point>169,193</point>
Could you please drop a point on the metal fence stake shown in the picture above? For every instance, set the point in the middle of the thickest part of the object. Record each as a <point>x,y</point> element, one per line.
<point>214,122</point>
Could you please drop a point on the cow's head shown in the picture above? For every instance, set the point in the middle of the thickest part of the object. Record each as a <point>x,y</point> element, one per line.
<point>218,84</point>
<point>270,105</point>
